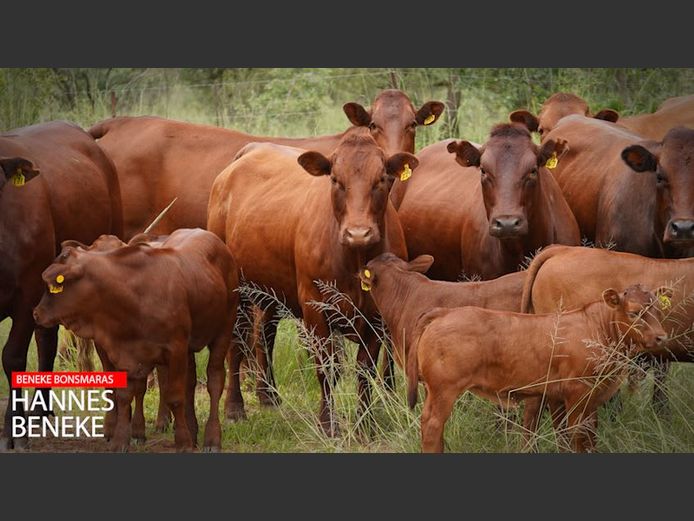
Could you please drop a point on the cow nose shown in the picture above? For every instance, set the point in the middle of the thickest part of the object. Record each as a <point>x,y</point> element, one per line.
<point>660,339</point>
<point>506,225</point>
<point>682,229</point>
<point>360,236</point>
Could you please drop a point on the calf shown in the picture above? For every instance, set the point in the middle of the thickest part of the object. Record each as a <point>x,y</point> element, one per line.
<point>55,184</point>
<point>402,294</point>
<point>485,218</point>
<point>293,218</point>
<point>571,277</point>
<point>151,306</point>
<point>506,357</point>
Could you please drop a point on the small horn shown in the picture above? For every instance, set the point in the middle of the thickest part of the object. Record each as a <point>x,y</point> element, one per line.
<point>160,216</point>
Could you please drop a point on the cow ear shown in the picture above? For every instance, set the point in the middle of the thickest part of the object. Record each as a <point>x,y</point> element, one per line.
<point>357,115</point>
<point>429,113</point>
<point>315,163</point>
<point>18,170</point>
<point>611,298</point>
<point>421,264</point>
<point>640,158</point>
<point>664,291</point>
<point>607,115</point>
<point>466,154</point>
<point>401,163</point>
<point>71,243</point>
<point>526,119</point>
<point>552,149</point>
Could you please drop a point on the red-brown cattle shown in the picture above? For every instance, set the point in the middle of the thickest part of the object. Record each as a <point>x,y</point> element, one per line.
<point>151,306</point>
<point>402,293</point>
<point>507,357</point>
<point>158,159</point>
<point>637,195</point>
<point>293,218</point>
<point>55,184</point>
<point>484,218</point>
<point>571,277</point>
<point>673,112</point>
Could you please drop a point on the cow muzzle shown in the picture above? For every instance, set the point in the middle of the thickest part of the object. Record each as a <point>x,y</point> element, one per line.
<point>360,236</point>
<point>680,230</point>
<point>508,226</point>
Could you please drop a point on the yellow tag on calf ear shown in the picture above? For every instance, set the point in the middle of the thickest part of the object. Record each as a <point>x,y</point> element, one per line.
<point>18,178</point>
<point>55,289</point>
<point>406,173</point>
<point>367,274</point>
<point>429,119</point>
<point>665,302</point>
<point>60,279</point>
<point>552,161</point>
<point>365,286</point>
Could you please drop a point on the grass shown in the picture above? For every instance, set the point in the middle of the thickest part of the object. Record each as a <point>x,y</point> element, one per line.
<point>475,425</point>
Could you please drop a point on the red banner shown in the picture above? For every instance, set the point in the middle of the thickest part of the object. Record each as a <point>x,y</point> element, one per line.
<point>70,379</point>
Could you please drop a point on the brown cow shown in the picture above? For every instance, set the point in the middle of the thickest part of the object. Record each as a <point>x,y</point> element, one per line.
<point>556,107</point>
<point>673,112</point>
<point>158,159</point>
<point>55,184</point>
<point>485,218</point>
<point>571,277</point>
<point>507,357</point>
<point>401,294</point>
<point>623,190</point>
<point>293,218</point>
<point>151,306</point>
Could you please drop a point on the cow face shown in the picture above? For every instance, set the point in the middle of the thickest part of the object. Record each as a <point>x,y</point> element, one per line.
<point>509,165</point>
<point>360,179</point>
<point>638,314</point>
<point>16,171</point>
<point>672,163</point>
<point>370,275</point>
<point>66,290</point>
<point>393,120</point>
<point>556,107</point>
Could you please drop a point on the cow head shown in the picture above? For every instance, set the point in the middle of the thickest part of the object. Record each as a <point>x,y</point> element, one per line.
<point>638,313</point>
<point>16,171</point>
<point>376,267</point>
<point>393,119</point>
<point>509,165</point>
<point>672,163</point>
<point>360,179</point>
<point>66,291</point>
<point>556,107</point>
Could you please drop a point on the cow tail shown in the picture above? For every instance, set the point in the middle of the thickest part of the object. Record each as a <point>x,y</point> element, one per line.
<point>532,271</point>
<point>412,367</point>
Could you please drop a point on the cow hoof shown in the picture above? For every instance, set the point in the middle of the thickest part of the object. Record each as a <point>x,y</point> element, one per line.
<point>210,449</point>
<point>235,414</point>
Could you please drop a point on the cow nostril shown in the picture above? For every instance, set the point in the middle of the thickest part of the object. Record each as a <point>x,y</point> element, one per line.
<point>682,227</point>
<point>661,338</point>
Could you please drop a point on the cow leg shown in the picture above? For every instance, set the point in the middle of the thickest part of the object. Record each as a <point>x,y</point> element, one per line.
<point>234,407</point>
<point>215,386</point>
<point>14,358</point>
<point>558,413</point>
<point>111,416</point>
<point>176,395</point>
<point>121,436</point>
<point>661,404</point>
<point>163,411</point>
<point>138,422</point>
<point>266,389</point>
<point>532,414</point>
<point>437,409</point>
<point>388,368</point>
<point>366,370</point>
<point>191,383</point>
<point>47,347</point>
<point>582,420</point>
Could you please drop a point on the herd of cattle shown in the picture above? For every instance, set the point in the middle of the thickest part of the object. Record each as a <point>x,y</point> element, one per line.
<point>351,209</point>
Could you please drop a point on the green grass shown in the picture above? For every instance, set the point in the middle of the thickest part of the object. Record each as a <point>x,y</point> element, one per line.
<point>474,426</point>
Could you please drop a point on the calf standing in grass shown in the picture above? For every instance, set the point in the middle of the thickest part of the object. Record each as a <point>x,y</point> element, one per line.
<point>575,360</point>
<point>145,306</point>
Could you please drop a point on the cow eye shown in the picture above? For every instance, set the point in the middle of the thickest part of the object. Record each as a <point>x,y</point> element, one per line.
<point>412,125</point>
<point>372,126</point>
<point>633,314</point>
<point>483,171</point>
<point>660,178</point>
<point>532,174</point>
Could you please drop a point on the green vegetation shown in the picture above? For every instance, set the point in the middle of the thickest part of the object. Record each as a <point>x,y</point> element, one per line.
<point>297,102</point>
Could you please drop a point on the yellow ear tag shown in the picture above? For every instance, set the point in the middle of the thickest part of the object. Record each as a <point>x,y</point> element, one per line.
<point>55,289</point>
<point>18,178</point>
<point>552,161</point>
<point>665,302</point>
<point>406,173</point>
<point>429,119</point>
<point>364,285</point>
<point>60,279</point>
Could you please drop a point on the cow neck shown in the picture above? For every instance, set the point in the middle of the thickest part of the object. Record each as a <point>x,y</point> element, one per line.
<point>603,324</point>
